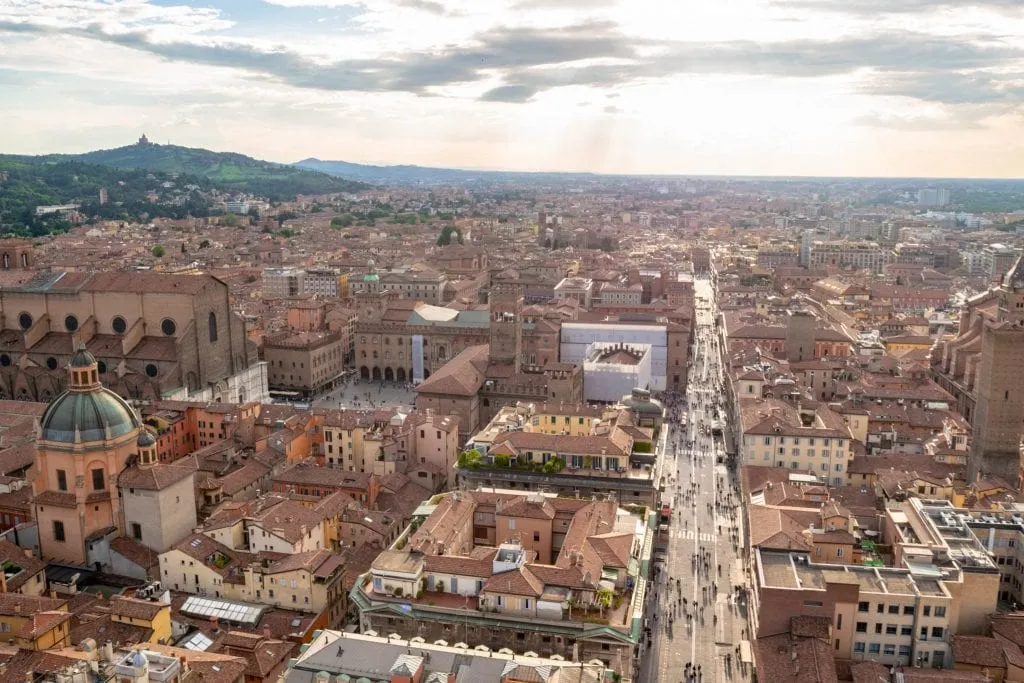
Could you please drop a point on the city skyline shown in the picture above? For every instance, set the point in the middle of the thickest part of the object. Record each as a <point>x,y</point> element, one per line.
<point>752,87</point>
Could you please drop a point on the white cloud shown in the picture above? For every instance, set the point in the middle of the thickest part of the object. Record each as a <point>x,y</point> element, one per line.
<point>492,82</point>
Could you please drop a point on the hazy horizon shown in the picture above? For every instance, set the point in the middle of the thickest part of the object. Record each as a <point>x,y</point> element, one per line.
<point>760,88</point>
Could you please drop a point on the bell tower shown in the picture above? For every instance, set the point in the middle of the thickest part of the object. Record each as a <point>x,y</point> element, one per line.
<point>506,328</point>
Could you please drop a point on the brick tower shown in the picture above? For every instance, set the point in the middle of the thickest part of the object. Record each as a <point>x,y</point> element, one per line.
<point>999,393</point>
<point>506,329</point>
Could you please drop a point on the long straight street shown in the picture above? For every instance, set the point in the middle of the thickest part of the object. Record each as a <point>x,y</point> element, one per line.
<point>696,612</point>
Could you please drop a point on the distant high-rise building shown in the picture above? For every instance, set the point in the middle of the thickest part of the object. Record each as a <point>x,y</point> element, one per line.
<point>933,197</point>
<point>103,196</point>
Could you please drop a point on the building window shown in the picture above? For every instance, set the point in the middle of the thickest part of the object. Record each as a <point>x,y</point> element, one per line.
<point>858,647</point>
<point>98,483</point>
<point>862,607</point>
<point>119,324</point>
<point>58,530</point>
<point>940,611</point>
<point>136,531</point>
<point>862,627</point>
<point>874,648</point>
<point>212,324</point>
<point>62,480</point>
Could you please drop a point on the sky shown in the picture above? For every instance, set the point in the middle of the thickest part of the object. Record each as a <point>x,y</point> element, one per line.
<point>761,87</point>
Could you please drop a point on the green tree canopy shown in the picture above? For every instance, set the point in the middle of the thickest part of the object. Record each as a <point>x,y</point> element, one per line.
<point>447,233</point>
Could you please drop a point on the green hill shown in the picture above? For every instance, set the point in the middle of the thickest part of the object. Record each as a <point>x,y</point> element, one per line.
<point>28,182</point>
<point>227,170</point>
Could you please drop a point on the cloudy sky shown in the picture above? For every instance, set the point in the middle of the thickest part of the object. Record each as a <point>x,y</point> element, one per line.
<point>809,87</point>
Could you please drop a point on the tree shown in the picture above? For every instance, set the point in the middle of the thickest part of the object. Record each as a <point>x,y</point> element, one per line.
<point>469,459</point>
<point>445,238</point>
<point>158,251</point>
<point>604,599</point>
<point>229,220</point>
<point>342,221</point>
<point>205,244</point>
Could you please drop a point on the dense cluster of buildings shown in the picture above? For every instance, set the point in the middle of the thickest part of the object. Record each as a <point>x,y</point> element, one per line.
<point>188,493</point>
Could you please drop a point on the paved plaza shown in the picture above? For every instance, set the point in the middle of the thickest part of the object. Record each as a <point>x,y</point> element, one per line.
<point>369,395</point>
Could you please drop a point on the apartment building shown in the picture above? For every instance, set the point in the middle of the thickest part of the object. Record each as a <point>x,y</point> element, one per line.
<point>386,441</point>
<point>308,581</point>
<point>281,283</point>
<point>856,255</point>
<point>526,572</point>
<point>615,294</point>
<point>326,282</point>
<point>893,616</point>
<point>34,622</point>
<point>775,433</point>
<point>579,290</point>
<point>618,454</point>
<point>1001,532</point>
<point>303,363</point>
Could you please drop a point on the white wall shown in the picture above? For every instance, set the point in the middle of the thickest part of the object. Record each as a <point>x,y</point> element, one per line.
<point>575,338</point>
<point>609,382</point>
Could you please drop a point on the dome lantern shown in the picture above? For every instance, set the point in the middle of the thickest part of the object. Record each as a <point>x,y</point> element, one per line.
<point>146,444</point>
<point>83,372</point>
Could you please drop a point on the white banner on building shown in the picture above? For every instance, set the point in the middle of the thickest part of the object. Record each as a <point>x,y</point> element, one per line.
<point>417,358</point>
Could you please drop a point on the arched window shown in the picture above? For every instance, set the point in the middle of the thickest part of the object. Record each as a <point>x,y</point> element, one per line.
<point>213,327</point>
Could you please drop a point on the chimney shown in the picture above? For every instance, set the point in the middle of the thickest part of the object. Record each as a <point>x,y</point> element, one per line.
<point>267,634</point>
<point>17,609</point>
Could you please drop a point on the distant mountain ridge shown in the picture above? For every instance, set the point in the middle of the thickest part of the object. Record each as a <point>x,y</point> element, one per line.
<point>428,175</point>
<point>227,170</point>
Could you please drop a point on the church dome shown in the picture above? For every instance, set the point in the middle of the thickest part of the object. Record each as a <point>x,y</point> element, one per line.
<point>86,411</point>
<point>83,416</point>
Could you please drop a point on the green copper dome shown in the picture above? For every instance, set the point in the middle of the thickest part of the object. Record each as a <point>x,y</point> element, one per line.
<point>145,440</point>
<point>82,416</point>
<point>82,359</point>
